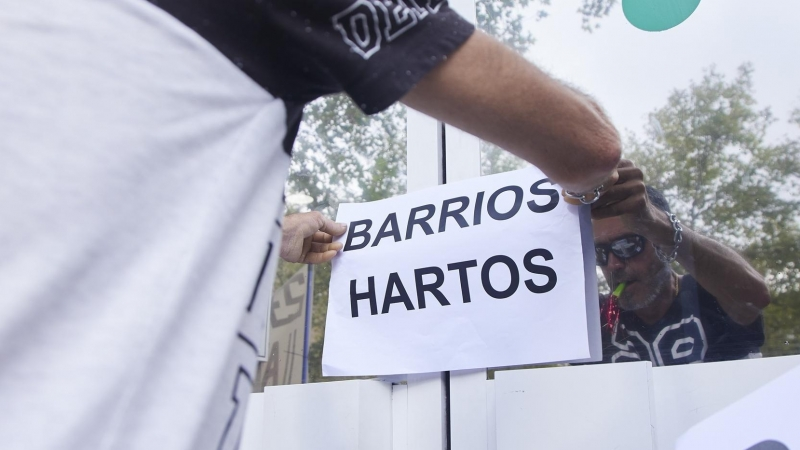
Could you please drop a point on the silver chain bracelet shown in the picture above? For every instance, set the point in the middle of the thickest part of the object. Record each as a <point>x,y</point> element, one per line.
<point>582,197</point>
<point>677,239</point>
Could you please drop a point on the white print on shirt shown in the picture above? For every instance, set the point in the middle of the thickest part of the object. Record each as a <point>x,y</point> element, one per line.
<point>686,339</point>
<point>693,331</point>
<point>360,23</point>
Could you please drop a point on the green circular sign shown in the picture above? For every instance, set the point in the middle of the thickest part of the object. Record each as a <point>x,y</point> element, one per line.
<point>658,15</point>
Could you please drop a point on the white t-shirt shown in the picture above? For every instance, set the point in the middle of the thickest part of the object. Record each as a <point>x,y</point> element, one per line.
<point>143,152</point>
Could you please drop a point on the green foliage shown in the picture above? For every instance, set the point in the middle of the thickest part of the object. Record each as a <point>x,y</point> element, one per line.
<point>343,155</point>
<point>322,276</point>
<point>593,10</point>
<point>503,20</point>
<point>795,117</point>
<point>706,150</point>
<point>496,160</point>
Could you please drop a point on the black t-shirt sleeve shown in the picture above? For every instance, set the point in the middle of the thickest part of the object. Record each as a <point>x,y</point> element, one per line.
<point>374,50</point>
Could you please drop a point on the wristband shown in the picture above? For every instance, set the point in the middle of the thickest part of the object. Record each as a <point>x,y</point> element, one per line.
<point>676,239</point>
<point>596,192</point>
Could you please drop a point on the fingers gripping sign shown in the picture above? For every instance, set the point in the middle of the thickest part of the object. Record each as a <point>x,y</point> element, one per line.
<point>308,238</point>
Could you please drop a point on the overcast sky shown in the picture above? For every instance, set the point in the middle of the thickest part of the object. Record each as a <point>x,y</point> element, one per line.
<point>631,72</point>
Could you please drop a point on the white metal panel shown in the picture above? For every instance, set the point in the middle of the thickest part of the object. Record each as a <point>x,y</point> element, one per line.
<point>462,149</point>
<point>426,412</point>
<point>594,407</point>
<point>424,153</point>
<point>491,414</point>
<point>425,425</point>
<point>469,418</point>
<point>375,416</point>
<point>468,409</point>
<point>418,413</point>
<point>400,417</point>
<point>463,155</point>
<point>253,429</point>
<point>425,421</point>
<point>687,395</point>
<point>344,415</point>
<point>651,406</point>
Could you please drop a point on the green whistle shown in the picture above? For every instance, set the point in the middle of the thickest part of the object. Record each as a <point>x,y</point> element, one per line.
<point>618,291</point>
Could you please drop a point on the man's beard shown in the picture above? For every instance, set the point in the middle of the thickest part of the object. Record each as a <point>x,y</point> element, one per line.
<point>657,285</point>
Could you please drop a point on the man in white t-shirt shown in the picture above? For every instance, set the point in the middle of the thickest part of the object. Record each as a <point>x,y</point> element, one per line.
<point>143,153</point>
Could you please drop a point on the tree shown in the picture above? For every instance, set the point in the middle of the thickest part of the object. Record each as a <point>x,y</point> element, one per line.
<point>706,150</point>
<point>592,10</point>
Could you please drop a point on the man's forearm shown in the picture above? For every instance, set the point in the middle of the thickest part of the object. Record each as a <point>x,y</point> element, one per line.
<point>488,90</point>
<point>737,286</point>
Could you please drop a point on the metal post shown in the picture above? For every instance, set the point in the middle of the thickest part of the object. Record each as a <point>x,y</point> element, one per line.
<point>439,153</point>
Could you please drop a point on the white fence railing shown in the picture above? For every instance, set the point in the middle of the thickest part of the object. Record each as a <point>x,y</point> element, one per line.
<point>612,406</point>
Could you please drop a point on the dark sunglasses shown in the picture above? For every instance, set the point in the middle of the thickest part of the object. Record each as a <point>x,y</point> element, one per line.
<point>623,248</point>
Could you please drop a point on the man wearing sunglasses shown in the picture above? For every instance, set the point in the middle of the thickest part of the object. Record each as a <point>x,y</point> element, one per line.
<point>711,313</point>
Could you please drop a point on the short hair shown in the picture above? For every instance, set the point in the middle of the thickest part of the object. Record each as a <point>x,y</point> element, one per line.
<point>657,199</point>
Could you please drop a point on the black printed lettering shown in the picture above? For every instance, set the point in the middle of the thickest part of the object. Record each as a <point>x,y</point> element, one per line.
<point>492,207</point>
<point>394,232</point>
<point>401,297</point>
<point>421,221</point>
<point>356,296</point>
<point>487,282</point>
<point>455,214</point>
<point>353,233</point>
<point>476,216</point>
<point>462,267</point>
<point>552,278</point>
<point>552,193</point>
<point>433,288</point>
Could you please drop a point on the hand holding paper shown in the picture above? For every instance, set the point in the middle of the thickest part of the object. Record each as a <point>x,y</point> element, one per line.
<point>308,238</point>
<point>407,296</point>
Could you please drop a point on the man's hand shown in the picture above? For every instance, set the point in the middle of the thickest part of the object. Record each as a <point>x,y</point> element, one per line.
<point>627,198</point>
<point>307,238</point>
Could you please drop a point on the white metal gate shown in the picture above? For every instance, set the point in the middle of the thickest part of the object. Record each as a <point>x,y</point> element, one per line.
<point>630,406</point>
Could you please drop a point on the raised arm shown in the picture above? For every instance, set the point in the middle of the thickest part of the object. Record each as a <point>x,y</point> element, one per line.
<point>488,90</point>
<point>737,286</point>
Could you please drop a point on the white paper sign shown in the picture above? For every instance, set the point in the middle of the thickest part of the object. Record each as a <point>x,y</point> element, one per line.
<point>763,420</point>
<point>486,272</point>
